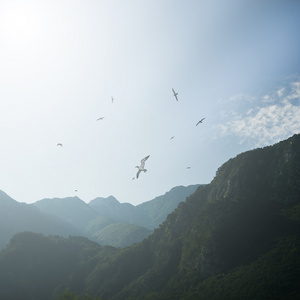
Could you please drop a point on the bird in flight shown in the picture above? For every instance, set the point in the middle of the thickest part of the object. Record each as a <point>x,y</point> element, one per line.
<point>141,167</point>
<point>200,121</point>
<point>112,100</point>
<point>172,138</point>
<point>175,94</point>
<point>188,167</point>
<point>60,144</point>
<point>100,118</point>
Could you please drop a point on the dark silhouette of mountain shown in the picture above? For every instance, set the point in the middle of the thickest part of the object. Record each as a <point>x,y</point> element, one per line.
<point>16,217</point>
<point>235,238</point>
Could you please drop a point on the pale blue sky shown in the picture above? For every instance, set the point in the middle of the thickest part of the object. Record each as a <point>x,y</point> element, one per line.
<point>234,63</point>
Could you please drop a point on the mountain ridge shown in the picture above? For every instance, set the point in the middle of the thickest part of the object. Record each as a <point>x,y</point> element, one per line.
<point>75,217</point>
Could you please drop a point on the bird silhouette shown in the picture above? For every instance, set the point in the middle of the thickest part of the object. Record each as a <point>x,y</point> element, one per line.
<point>141,167</point>
<point>60,144</point>
<point>200,121</point>
<point>175,94</point>
<point>100,118</point>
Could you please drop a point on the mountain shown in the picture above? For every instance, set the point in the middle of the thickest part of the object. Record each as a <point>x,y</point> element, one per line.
<point>112,208</point>
<point>16,217</point>
<point>71,209</point>
<point>109,222</point>
<point>149,214</point>
<point>235,238</point>
<point>152,213</point>
<point>104,220</point>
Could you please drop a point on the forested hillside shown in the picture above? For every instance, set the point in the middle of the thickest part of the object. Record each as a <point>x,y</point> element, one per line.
<point>236,238</point>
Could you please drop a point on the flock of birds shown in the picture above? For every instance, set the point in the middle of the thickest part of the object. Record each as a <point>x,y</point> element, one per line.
<point>141,167</point>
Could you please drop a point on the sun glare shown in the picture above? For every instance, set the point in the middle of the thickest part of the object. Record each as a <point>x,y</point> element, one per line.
<point>20,25</point>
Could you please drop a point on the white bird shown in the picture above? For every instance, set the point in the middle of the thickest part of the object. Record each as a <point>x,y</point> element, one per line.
<point>141,167</point>
<point>175,94</point>
<point>200,121</point>
<point>60,144</point>
<point>100,118</point>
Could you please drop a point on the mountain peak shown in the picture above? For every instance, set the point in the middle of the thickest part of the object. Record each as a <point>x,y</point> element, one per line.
<point>101,201</point>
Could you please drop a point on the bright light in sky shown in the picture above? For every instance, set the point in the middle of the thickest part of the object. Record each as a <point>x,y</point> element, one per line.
<point>20,24</point>
<point>236,64</point>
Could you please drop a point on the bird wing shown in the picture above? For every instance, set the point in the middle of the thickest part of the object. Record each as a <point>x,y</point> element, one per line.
<point>138,173</point>
<point>175,94</point>
<point>200,121</point>
<point>143,161</point>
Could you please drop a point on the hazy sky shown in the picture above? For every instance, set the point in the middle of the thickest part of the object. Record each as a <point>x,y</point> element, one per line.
<point>235,63</point>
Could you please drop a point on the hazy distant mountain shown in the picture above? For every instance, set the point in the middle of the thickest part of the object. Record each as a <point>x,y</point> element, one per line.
<point>149,214</point>
<point>16,217</point>
<point>110,222</point>
<point>235,238</point>
<point>71,209</point>
<point>121,234</point>
<point>112,208</point>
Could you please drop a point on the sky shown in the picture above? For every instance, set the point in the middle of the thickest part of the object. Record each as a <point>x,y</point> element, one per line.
<point>235,63</point>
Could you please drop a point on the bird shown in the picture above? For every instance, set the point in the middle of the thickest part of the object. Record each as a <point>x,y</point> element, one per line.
<point>112,100</point>
<point>175,94</point>
<point>60,144</point>
<point>141,167</point>
<point>200,121</point>
<point>172,138</point>
<point>188,167</point>
<point>100,118</point>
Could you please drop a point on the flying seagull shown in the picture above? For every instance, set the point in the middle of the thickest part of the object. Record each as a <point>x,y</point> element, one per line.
<point>141,167</point>
<point>200,121</point>
<point>100,118</point>
<point>172,138</point>
<point>175,94</point>
<point>60,144</point>
<point>112,100</point>
<point>188,167</point>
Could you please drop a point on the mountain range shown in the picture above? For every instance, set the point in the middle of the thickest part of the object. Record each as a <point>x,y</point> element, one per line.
<point>235,238</point>
<point>104,220</point>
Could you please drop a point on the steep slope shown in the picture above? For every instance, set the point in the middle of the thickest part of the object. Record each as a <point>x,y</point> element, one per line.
<point>16,217</point>
<point>152,213</point>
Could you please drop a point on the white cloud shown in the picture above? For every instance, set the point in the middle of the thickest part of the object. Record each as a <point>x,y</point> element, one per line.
<point>277,120</point>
